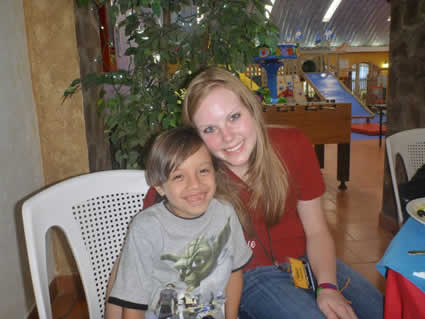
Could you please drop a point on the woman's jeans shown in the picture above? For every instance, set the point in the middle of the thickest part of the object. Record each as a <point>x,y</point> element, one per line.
<point>269,293</point>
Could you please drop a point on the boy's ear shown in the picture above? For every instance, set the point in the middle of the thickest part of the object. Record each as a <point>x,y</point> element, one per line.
<point>159,190</point>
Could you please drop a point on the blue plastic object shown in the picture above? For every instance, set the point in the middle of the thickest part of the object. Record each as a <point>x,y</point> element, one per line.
<point>272,63</point>
<point>410,237</point>
<point>330,87</point>
<point>271,66</point>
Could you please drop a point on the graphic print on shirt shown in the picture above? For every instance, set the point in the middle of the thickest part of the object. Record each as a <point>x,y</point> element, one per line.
<point>204,266</point>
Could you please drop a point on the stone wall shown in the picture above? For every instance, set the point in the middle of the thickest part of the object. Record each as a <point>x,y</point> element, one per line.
<point>406,103</point>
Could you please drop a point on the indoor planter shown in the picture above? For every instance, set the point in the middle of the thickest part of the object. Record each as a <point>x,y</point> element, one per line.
<point>168,42</point>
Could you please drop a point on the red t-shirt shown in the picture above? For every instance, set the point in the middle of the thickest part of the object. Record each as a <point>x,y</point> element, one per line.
<point>306,183</point>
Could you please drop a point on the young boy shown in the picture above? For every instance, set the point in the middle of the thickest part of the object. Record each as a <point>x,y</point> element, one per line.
<point>183,256</point>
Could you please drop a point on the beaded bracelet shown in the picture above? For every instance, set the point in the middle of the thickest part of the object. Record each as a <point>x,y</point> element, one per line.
<point>325,285</point>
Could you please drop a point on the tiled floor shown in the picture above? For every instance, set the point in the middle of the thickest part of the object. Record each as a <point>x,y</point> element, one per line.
<point>352,214</point>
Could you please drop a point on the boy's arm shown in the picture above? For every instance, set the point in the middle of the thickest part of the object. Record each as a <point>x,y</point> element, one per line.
<point>233,294</point>
<point>133,314</point>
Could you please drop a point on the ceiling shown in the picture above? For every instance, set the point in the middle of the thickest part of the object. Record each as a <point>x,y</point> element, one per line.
<point>355,22</point>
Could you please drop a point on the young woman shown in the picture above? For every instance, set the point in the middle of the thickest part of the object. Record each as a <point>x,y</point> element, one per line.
<point>183,256</point>
<point>281,187</point>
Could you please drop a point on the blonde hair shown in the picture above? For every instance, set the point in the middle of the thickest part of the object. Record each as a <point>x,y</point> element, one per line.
<point>267,176</point>
<point>171,148</point>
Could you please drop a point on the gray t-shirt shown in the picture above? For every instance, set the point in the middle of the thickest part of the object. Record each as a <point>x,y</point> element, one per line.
<point>170,263</point>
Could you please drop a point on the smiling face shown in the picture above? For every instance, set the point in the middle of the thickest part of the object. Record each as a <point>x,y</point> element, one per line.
<point>191,185</point>
<point>227,128</point>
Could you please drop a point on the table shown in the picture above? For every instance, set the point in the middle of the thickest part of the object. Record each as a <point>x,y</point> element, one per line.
<point>404,291</point>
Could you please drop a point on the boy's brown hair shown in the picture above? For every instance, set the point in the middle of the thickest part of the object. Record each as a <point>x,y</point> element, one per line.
<point>171,148</point>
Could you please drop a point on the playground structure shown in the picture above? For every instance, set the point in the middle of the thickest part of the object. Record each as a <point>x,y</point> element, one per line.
<point>334,90</point>
<point>377,84</point>
<point>291,78</point>
<point>272,62</point>
<point>316,100</point>
<point>365,80</point>
<point>324,122</point>
<point>322,75</point>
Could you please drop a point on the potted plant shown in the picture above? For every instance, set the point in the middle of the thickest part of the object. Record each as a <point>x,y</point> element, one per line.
<point>169,41</point>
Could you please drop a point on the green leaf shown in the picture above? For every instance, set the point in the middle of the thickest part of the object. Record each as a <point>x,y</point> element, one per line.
<point>156,7</point>
<point>75,82</point>
<point>124,5</point>
<point>81,3</point>
<point>140,101</point>
<point>69,91</point>
<point>161,116</point>
<point>165,4</point>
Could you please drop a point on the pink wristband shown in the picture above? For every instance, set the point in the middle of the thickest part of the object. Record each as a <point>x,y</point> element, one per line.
<point>325,285</point>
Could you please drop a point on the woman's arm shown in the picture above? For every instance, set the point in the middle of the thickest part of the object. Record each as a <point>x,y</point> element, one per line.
<point>321,254</point>
<point>320,245</point>
<point>233,294</point>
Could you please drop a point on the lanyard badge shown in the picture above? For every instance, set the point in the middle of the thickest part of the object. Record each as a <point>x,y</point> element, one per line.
<point>302,274</point>
<point>300,269</point>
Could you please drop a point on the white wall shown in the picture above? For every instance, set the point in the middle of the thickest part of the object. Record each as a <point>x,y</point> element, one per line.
<point>20,160</point>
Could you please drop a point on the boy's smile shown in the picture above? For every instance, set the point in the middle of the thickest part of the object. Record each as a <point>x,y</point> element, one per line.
<point>191,186</point>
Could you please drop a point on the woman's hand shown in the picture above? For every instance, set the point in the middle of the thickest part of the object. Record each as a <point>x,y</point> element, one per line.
<point>334,306</point>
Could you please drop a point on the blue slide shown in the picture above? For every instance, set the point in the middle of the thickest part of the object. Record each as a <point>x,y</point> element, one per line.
<point>332,89</point>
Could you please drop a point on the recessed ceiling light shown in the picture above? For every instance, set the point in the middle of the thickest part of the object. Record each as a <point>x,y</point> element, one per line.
<point>269,8</point>
<point>328,15</point>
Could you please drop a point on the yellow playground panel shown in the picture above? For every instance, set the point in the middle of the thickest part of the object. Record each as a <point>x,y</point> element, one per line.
<point>248,81</point>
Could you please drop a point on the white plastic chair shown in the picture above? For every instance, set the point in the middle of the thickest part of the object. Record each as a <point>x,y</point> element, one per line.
<point>410,145</point>
<point>93,211</point>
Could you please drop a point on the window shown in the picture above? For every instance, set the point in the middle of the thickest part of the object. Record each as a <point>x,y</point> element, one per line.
<point>361,79</point>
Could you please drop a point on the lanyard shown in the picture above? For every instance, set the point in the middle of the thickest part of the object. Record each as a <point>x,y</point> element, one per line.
<point>269,254</point>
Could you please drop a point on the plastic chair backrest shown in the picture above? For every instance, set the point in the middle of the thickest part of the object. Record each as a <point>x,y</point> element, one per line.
<point>410,146</point>
<point>93,211</point>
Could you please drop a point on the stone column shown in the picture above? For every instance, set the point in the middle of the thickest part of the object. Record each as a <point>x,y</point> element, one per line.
<point>406,96</point>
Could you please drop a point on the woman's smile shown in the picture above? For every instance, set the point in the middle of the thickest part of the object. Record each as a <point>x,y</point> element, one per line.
<point>227,128</point>
<point>235,148</point>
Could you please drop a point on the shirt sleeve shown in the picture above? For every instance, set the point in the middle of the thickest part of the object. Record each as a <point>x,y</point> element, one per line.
<point>309,179</point>
<point>242,253</point>
<point>132,286</point>
<point>297,152</point>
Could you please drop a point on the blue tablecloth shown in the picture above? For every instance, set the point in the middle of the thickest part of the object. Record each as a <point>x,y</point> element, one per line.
<point>411,236</point>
